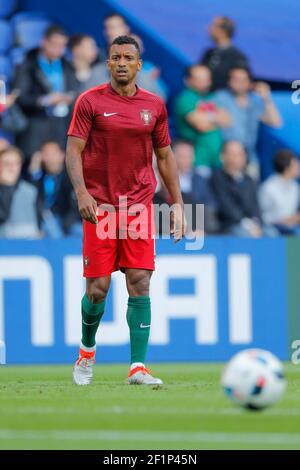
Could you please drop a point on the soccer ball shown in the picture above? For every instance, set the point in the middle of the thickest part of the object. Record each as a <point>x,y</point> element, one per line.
<point>254,379</point>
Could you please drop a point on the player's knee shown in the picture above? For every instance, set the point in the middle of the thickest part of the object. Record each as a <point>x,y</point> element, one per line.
<point>96,290</point>
<point>138,284</point>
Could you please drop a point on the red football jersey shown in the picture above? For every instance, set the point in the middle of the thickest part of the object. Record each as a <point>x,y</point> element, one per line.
<point>120,134</point>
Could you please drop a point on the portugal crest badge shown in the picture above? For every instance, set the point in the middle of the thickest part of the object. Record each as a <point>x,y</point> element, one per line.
<point>146,116</point>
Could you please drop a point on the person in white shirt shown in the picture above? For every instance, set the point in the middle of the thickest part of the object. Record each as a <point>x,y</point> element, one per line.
<point>279,195</point>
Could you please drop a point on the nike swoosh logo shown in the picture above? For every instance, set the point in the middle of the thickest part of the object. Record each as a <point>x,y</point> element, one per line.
<point>144,326</point>
<point>109,114</point>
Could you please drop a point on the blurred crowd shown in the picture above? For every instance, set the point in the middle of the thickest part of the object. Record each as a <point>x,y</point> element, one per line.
<point>217,117</point>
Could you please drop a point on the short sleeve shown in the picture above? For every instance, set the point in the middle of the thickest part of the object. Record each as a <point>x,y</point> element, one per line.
<point>82,120</point>
<point>160,134</point>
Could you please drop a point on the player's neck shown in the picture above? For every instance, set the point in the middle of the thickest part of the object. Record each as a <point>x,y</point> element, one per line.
<point>124,90</point>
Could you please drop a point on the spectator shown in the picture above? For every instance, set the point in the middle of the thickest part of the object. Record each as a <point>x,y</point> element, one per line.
<point>85,60</point>
<point>236,194</point>
<point>149,76</point>
<point>224,57</point>
<point>18,199</point>
<point>248,105</point>
<point>199,119</point>
<point>194,187</point>
<point>115,25</point>
<point>47,84</point>
<point>66,208</point>
<point>45,172</point>
<point>279,195</point>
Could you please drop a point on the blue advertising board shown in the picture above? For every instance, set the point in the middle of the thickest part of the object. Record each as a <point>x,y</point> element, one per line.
<point>206,305</point>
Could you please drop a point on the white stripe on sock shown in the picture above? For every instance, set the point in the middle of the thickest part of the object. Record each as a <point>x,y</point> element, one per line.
<point>86,349</point>
<point>136,364</point>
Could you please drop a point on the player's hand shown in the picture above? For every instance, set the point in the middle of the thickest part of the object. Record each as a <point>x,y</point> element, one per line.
<point>178,223</point>
<point>87,207</point>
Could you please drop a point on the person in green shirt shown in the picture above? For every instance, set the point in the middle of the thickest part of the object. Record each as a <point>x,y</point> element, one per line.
<point>198,117</point>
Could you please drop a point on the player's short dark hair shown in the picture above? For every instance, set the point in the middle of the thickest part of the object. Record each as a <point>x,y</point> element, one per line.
<point>11,149</point>
<point>227,25</point>
<point>282,160</point>
<point>54,29</point>
<point>120,40</point>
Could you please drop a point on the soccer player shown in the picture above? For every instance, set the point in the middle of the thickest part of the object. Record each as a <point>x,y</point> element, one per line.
<point>111,138</point>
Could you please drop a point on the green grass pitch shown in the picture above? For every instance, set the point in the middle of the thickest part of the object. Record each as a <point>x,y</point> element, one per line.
<point>40,408</point>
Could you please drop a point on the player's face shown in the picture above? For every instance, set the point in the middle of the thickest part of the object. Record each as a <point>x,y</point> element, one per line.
<point>124,63</point>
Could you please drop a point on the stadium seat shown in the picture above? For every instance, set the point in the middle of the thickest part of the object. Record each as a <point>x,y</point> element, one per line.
<point>7,7</point>
<point>17,55</point>
<point>29,32</point>
<point>6,69</point>
<point>28,15</point>
<point>6,36</point>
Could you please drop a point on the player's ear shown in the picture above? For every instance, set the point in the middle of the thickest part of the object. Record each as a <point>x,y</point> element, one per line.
<point>140,64</point>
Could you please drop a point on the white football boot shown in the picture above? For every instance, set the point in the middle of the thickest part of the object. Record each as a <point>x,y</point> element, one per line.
<point>142,376</point>
<point>83,368</point>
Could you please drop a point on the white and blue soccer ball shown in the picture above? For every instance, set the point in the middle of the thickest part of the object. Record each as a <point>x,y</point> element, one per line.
<point>254,379</point>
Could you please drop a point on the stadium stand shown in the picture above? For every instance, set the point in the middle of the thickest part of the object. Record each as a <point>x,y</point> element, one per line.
<point>7,7</point>
<point>29,31</point>
<point>6,35</point>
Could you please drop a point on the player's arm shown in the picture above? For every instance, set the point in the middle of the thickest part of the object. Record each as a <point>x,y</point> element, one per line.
<point>86,203</point>
<point>168,171</point>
